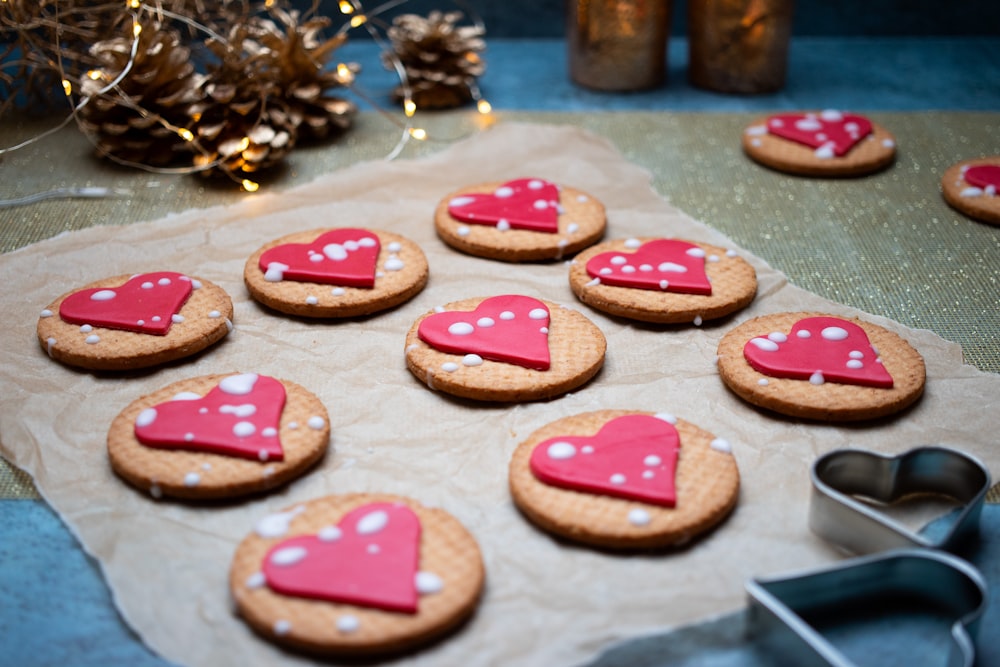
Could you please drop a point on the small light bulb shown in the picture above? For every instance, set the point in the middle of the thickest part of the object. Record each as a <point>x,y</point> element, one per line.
<point>245,144</point>
<point>249,185</point>
<point>409,108</point>
<point>345,74</point>
<point>185,134</point>
<point>484,107</point>
<point>67,87</point>
<point>346,7</point>
<point>94,74</point>
<point>358,20</point>
<point>418,133</point>
<point>136,29</point>
<point>134,4</point>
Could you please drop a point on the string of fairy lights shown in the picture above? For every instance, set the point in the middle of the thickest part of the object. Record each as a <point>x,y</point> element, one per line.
<point>356,16</point>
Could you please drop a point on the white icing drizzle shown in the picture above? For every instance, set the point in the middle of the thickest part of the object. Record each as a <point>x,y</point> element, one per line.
<point>276,525</point>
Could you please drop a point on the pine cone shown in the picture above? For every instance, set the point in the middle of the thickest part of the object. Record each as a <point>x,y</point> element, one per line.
<point>300,63</point>
<point>242,124</point>
<point>137,120</point>
<point>441,59</point>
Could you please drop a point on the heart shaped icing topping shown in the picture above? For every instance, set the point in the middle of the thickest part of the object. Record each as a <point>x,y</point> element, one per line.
<point>509,328</point>
<point>663,264</point>
<point>984,176</point>
<point>525,203</point>
<point>370,558</point>
<point>831,133</point>
<point>633,457</point>
<point>238,417</point>
<point>819,349</point>
<point>147,303</point>
<point>344,257</point>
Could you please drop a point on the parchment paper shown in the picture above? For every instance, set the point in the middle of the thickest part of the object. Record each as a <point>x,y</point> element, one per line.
<point>546,602</point>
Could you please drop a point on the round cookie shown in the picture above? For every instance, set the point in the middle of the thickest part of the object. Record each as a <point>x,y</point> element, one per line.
<point>970,187</point>
<point>138,321</point>
<point>218,436</point>
<point>425,576</point>
<point>343,272</point>
<point>506,348</point>
<point>822,367</point>
<point>522,220</point>
<point>631,278</point>
<point>827,143</point>
<point>624,479</point>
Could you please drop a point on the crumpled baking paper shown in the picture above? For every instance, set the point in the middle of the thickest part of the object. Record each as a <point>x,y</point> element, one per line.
<point>546,601</point>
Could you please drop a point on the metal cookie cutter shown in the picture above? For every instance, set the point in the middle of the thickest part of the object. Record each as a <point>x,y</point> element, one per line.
<point>782,608</point>
<point>841,476</point>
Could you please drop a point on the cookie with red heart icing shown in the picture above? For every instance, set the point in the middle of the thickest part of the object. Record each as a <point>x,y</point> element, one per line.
<point>666,281</point>
<point>340,272</point>
<point>506,348</point>
<point>820,143</point>
<point>820,366</point>
<point>218,436</point>
<point>135,321</point>
<point>356,575</point>
<point>624,479</point>
<point>520,220</point>
<point>971,188</point>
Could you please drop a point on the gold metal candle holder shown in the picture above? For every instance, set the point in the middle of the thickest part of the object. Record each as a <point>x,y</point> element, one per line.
<point>739,46</point>
<point>618,45</point>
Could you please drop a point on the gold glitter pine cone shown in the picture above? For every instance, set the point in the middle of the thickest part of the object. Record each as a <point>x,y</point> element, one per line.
<point>441,59</point>
<point>138,120</point>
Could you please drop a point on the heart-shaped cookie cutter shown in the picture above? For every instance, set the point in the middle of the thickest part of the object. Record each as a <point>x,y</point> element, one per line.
<point>841,477</point>
<point>779,606</point>
<point>909,564</point>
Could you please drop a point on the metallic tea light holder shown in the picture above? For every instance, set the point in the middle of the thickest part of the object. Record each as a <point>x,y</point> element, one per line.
<point>618,45</point>
<point>739,46</point>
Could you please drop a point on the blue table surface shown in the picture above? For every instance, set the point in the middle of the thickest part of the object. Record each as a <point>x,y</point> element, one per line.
<point>38,555</point>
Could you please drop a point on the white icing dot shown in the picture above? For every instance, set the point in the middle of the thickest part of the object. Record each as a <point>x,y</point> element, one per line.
<point>628,269</point>
<point>243,410</point>
<point>561,450</point>
<point>817,378</point>
<point>92,339</point>
<point>192,479</point>
<point>176,318</point>
<point>312,300</point>
<point>856,354</point>
<point>808,124</point>
<point>146,285</point>
<point>472,360</point>
<point>461,329</point>
<point>587,449</point>
<point>155,490</point>
<point>756,130</point>
<point>777,337</point>
<point>572,228</point>
<point>146,417</point>
<point>671,267</point>
<point>238,385</point>
<point>275,272</point>
<point>335,251</point>
<point>316,423</point>
<point>803,333</point>
<point>449,366</point>
<point>538,314</point>
<point>506,315</point>
<point>372,522</point>
<point>652,460</point>
<point>428,583</point>
<point>86,328</point>
<point>888,143</point>
<point>348,623</point>
<point>503,225</point>
<point>824,152</point>
<point>618,260</point>
<point>540,205</point>
<point>103,295</point>
<point>617,478</point>
<point>485,322</point>
<point>763,382</point>
<point>269,432</point>
<point>282,627</point>
<point>648,474</point>
<point>463,231</point>
<point>854,363</point>
<point>338,291</point>
<point>263,455</point>
<point>834,333</point>
<point>697,320</point>
<point>156,318</point>
<point>256,580</point>
<point>504,192</point>
<point>276,525</point>
<point>667,417</point>
<point>831,115</point>
<point>373,548</point>
<point>189,437</point>
<point>394,264</point>
<point>46,313</point>
<point>695,252</point>
<point>638,517</point>
<point>244,429</point>
<point>288,555</point>
<point>721,445</point>
<point>214,314</point>
<point>764,344</point>
<point>163,282</point>
<point>395,246</point>
<point>329,534</point>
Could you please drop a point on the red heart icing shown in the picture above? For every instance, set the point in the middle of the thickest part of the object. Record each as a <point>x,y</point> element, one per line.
<point>525,203</point>
<point>147,303</point>
<point>832,133</point>
<point>238,417</point>
<point>983,176</point>
<point>819,349</point>
<point>663,264</point>
<point>509,328</point>
<point>343,257</point>
<point>370,559</point>
<point>632,457</point>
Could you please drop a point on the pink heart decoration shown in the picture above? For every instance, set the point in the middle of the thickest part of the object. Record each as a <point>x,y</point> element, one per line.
<point>831,133</point>
<point>510,328</point>
<point>819,349</point>
<point>526,203</point>
<point>663,264</point>
<point>343,257</point>
<point>147,303</point>
<point>984,176</point>
<point>632,457</point>
<point>370,559</point>
<point>238,417</point>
